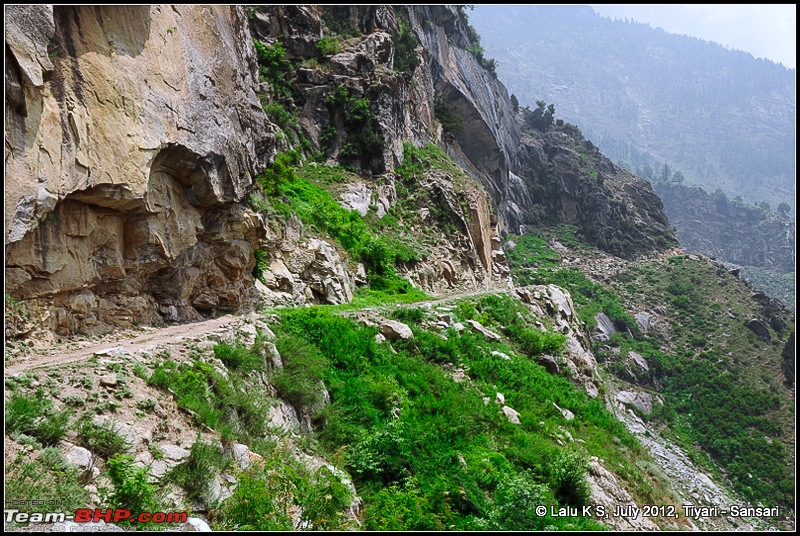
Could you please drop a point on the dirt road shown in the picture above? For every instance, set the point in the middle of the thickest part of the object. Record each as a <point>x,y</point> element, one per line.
<point>172,334</point>
<point>151,337</point>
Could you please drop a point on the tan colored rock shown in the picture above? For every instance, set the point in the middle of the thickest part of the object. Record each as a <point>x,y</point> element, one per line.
<point>394,330</point>
<point>478,328</point>
<point>127,163</point>
<point>607,491</point>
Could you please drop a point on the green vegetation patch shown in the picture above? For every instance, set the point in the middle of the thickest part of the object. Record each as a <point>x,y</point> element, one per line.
<point>47,478</point>
<point>428,452</point>
<point>364,142</point>
<point>223,401</point>
<point>269,494</point>
<point>717,394</point>
<point>533,262</point>
<point>296,190</point>
<point>34,415</point>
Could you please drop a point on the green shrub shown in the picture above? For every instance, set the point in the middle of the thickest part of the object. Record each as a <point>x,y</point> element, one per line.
<point>262,264</point>
<point>396,508</point>
<point>406,59</point>
<point>315,206</point>
<point>327,46</point>
<point>364,142</point>
<point>534,342</point>
<point>269,493</point>
<point>273,67</point>
<point>568,479</point>
<point>515,500</point>
<point>445,113</point>
<point>228,405</point>
<point>196,474</point>
<point>300,379</point>
<point>47,479</point>
<point>238,357</point>
<point>426,452</point>
<point>408,315</point>
<point>132,489</point>
<point>278,174</point>
<point>35,416</point>
<point>103,439</point>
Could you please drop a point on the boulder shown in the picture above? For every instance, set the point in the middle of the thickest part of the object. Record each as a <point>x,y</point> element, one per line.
<point>511,414</point>
<point>643,319</point>
<point>641,400</point>
<point>605,327</point>
<point>477,327</point>
<point>759,328</point>
<point>394,330</point>
<point>79,457</point>
<point>639,360</point>
<point>501,355</point>
<point>244,456</point>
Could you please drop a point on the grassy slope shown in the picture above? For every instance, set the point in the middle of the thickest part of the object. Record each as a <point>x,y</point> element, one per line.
<point>428,453</point>
<point>722,382</point>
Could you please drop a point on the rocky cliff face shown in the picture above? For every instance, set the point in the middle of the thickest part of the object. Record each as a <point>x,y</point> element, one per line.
<point>566,179</point>
<point>362,68</point>
<point>488,145</point>
<point>743,235</point>
<point>561,173</point>
<point>132,166</point>
<point>128,162</point>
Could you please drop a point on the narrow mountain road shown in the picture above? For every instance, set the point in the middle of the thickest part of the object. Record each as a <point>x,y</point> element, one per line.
<point>151,337</point>
<point>71,351</point>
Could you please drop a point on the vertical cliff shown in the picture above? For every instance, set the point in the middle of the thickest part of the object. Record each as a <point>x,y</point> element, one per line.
<point>131,134</point>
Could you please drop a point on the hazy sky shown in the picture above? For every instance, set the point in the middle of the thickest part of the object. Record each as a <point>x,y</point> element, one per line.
<point>765,31</point>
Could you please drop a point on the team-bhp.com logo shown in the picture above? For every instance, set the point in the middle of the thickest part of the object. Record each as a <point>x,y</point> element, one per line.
<point>88,515</point>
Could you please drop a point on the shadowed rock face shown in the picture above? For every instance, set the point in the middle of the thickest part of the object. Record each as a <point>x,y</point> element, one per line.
<point>713,225</point>
<point>128,163</point>
<point>572,182</point>
<point>488,146</point>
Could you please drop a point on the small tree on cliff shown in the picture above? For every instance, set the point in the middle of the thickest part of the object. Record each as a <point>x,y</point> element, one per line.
<point>541,118</point>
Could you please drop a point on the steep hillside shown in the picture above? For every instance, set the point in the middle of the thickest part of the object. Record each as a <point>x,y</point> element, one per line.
<point>341,179</point>
<point>722,117</point>
<point>695,355</point>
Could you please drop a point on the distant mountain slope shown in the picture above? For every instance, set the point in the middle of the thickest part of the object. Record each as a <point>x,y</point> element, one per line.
<point>721,117</point>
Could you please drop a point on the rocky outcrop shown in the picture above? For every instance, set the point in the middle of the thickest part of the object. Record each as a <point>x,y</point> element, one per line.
<point>487,145</point>
<point>298,269</point>
<point>759,328</point>
<point>607,491</point>
<point>565,179</point>
<point>402,102</point>
<point>559,175</point>
<point>578,360</point>
<point>731,231</point>
<point>128,164</point>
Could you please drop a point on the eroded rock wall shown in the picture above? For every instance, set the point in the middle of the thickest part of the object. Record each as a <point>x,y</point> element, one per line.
<point>488,145</point>
<point>404,107</point>
<point>132,132</point>
<point>737,233</point>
